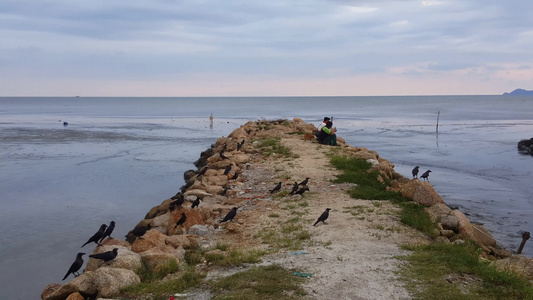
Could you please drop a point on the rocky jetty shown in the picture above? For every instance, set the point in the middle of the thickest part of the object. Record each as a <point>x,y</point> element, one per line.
<point>240,170</point>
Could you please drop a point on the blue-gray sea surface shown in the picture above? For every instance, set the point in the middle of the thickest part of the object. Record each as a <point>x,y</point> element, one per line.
<point>118,157</point>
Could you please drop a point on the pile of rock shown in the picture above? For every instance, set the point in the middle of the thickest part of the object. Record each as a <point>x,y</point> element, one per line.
<point>216,183</point>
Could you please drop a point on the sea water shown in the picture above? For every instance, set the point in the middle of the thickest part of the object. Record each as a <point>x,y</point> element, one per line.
<point>118,157</point>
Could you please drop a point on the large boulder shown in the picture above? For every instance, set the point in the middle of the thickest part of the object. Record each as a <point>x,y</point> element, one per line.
<point>150,240</point>
<point>194,216</point>
<point>75,296</point>
<point>518,264</point>
<point>438,211</point>
<point>158,261</point>
<point>161,221</point>
<point>49,289</point>
<point>421,192</point>
<point>83,284</point>
<point>220,180</point>
<point>159,209</point>
<point>177,241</point>
<point>109,281</point>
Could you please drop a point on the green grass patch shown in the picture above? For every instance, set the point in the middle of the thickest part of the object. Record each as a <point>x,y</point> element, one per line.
<point>162,290</point>
<point>259,283</point>
<point>445,271</point>
<point>368,187</point>
<point>235,258</point>
<point>414,215</point>
<point>270,146</point>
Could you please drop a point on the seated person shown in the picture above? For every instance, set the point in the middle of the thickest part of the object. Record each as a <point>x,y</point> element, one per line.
<point>327,135</point>
<point>317,132</point>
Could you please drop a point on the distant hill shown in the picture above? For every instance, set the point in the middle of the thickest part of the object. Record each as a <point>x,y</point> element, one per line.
<point>519,92</point>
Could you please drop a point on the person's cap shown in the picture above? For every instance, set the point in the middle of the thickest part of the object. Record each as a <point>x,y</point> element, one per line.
<point>326,119</point>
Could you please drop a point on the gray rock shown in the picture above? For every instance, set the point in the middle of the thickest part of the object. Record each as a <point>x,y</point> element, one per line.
<point>109,281</point>
<point>200,230</point>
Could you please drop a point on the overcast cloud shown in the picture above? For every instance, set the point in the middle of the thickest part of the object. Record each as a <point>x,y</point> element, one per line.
<point>264,48</point>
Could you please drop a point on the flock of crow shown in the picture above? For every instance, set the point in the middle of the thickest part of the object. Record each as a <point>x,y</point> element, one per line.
<point>424,176</point>
<point>98,237</point>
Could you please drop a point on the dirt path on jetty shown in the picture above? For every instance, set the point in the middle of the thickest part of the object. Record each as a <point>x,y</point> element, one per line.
<point>352,256</point>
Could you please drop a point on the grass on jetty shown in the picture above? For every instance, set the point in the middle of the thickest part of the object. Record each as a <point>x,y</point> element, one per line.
<point>273,146</point>
<point>435,271</point>
<point>356,170</point>
<point>258,283</point>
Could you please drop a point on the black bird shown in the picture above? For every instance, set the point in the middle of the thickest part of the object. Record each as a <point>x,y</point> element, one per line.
<point>172,207</point>
<point>202,172</point>
<point>178,194</point>
<point>139,231</point>
<point>231,214</point>
<point>223,148</point>
<point>425,175</point>
<point>106,256</point>
<point>302,191</point>
<point>225,190</point>
<point>294,188</point>
<point>305,181</point>
<point>76,265</point>
<point>323,217</point>
<point>196,203</point>
<point>223,156</point>
<point>108,231</point>
<point>97,236</point>
<point>181,220</point>
<point>239,145</point>
<point>415,172</point>
<point>178,200</point>
<point>276,188</point>
<point>227,169</point>
<point>235,176</point>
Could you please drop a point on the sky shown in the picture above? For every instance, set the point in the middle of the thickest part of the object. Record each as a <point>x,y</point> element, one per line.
<point>265,47</point>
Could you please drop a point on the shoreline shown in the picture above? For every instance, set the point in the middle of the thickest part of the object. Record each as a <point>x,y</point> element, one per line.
<point>250,192</point>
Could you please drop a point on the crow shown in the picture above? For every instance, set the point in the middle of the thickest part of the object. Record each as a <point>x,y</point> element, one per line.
<point>137,232</point>
<point>239,145</point>
<point>305,182</point>
<point>108,231</point>
<point>302,191</point>
<point>228,168</point>
<point>415,172</point>
<point>76,265</point>
<point>223,156</point>
<point>179,199</point>
<point>276,188</point>
<point>181,220</point>
<point>225,190</point>
<point>425,175</point>
<point>231,214</point>
<point>323,217</point>
<point>202,172</point>
<point>196,202</point>
<point>97,236</point>
<point>106,256</point>
<point>294,188</point>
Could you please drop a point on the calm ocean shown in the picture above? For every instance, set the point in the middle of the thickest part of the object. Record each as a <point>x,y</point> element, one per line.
<point>118,157</point>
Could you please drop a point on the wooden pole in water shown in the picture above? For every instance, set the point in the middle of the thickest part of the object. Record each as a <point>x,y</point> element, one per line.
<point>525,237</point>
<point>437,128</point>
